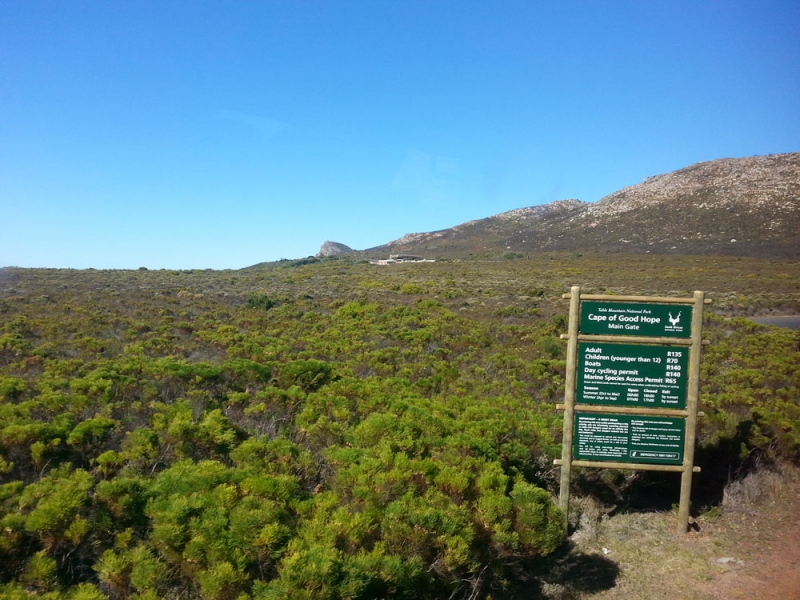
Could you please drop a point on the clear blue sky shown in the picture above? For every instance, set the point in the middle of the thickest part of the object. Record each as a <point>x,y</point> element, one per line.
<point>197,134</point>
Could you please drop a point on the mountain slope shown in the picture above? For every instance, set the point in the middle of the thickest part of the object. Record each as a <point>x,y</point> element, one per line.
<point>746,206</point>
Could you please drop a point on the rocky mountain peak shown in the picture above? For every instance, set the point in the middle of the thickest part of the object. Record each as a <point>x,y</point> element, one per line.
<point>333,248</point>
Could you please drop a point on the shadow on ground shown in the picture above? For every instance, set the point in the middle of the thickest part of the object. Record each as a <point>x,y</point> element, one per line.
<point>562,574</point>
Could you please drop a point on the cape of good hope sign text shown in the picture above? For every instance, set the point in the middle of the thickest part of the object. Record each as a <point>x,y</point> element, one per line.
<point>646,320</point>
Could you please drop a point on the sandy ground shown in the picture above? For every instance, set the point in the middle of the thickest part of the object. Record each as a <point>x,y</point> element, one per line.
<point>770,556</point>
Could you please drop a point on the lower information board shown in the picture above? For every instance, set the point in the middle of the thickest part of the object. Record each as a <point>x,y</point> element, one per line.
<point>629,438</point>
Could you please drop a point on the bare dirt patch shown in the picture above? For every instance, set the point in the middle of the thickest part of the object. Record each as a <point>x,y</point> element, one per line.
<point>748,548</point>
<point>769,547</point>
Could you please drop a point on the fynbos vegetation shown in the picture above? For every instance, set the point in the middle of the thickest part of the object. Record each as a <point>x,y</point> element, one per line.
<point>331,429</point>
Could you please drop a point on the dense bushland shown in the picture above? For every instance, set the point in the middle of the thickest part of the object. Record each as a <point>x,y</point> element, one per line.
<point>327,429</point>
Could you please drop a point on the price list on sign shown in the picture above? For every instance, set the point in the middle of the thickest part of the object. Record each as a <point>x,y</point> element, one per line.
<point>632,375</point>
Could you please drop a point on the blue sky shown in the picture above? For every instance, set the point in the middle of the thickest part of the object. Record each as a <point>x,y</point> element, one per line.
<point>204,134</point>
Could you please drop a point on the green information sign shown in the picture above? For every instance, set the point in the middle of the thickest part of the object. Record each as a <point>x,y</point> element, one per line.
<point>632,375</point>
<point>629,438</point>
<point>635,318</point>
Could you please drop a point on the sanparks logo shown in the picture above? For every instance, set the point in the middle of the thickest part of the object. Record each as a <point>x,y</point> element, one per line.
<point>647,320</point>
<point>674,323</point>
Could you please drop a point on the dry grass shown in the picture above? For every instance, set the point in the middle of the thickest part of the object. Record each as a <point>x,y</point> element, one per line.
<point>754,490</point>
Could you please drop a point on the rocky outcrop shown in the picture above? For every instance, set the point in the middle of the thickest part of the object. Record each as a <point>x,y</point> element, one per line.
<point>333,248</point>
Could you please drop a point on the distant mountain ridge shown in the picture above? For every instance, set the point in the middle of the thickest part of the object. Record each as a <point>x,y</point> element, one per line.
<point>742,206</point>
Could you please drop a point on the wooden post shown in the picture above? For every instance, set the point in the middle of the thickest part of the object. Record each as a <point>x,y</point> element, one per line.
<point>692,395</point>
<point>569,397</point>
